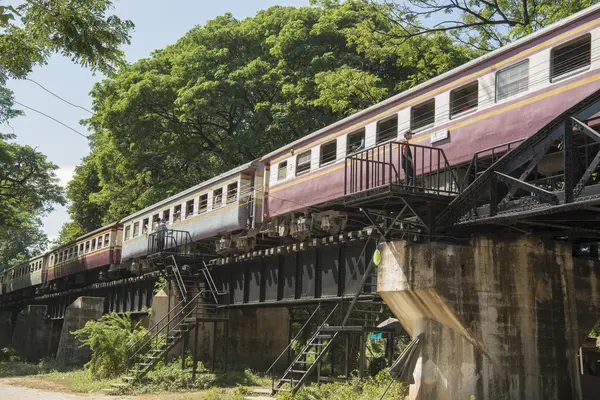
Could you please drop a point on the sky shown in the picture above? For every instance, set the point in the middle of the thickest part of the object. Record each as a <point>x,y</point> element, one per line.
<point>158,23</point>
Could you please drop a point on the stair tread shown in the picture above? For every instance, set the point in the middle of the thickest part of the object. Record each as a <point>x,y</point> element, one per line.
<point>119,385</point>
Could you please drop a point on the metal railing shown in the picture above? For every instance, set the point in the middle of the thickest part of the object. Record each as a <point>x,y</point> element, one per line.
<point>483,159</point>
<point>179,278</point>
<point>179,313</point>
<point>412,166</point>
<point>170,241</point>
<point>294,340</point>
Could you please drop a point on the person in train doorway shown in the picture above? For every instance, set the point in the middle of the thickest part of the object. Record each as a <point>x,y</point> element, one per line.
<point>407,159</point>
<point>161,233</point>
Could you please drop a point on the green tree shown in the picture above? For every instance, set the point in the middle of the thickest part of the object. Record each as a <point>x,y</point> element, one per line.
<point>30,33</point>
<point>482,24</point>
<point>28,190</point>
<point>232,90</point>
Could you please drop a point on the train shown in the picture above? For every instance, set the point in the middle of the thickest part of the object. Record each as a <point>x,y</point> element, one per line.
<point>297,191</point>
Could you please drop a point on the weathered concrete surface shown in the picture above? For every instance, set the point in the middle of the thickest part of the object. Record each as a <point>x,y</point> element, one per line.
<point>160,308</point>
<point>503,318</point>
<point>31,333</point>
<point>82,310</point>
<point>6,329</point>
<point>256,337</point>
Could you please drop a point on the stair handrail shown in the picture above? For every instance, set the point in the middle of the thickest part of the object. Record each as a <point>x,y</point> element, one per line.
<point>210,281</point>
<point>178,278</point>
<point>293,340</point>
<point>145,340</point>
<point>317,332</point>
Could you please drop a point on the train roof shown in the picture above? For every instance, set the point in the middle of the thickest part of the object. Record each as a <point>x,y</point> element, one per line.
<point>237,170</point>
<point>473,63</point>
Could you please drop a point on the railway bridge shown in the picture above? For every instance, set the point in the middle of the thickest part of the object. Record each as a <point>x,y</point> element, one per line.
<point>494,273</point>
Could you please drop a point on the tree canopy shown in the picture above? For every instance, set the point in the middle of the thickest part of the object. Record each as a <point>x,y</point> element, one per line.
<point>232,90</point>
<point>481,24</point>
<point>31,32</point>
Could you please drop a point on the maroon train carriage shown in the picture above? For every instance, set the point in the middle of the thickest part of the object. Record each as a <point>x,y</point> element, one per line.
<point>88,256</point>
<point>496,99</point>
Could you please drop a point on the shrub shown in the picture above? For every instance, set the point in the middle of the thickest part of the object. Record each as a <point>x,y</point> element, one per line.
<point>109,339</point>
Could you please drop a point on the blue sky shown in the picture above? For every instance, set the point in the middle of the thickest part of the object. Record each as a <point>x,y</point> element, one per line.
<point>158,23</point>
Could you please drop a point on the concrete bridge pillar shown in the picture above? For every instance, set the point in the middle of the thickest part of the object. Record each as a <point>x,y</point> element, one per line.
<point>31,333</point>
<point>502,318</point>
<point>81,311</point>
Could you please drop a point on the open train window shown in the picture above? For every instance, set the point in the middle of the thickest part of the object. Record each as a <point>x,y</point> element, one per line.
<point>177,213</point>
<point>146,226</point>
<point>189,208</point>
<point>512,80</point>
<point>217,198</point>
<point>571,58</point>
<point>167,215</point>
<point>355,141</point>
<point>107,240</point>
<point>282,170</point>
<point>99,243</point>
<point>387,129</point>
<point>127,236</point>
<point>136,229</point>
<point>464,99</point>
<point>93,244</point>
<point>81,249</point>
<point>232,192</point>
<point>154,221</point>
<point>303,163</point>
<point>422,115</point>
<point>328,153</point>
<point>203,204</point>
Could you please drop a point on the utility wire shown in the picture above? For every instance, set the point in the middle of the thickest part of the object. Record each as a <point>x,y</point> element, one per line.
<point>58,97</point>
<point>52,118</point>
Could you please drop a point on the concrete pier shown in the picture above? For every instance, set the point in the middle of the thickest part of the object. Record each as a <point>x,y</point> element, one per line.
<point>31,333</point>
<point>502,318</point>
<point>82,310</point>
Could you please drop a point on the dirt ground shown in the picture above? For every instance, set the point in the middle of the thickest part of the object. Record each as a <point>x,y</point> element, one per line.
<point>30,388</point>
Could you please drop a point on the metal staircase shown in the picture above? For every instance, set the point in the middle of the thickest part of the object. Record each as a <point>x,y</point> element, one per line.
<point>361,312</point>
<point>199,301</point>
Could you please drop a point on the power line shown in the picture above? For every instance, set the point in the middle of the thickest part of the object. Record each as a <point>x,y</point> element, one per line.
<point>58,97</point>
<point>52,118</point>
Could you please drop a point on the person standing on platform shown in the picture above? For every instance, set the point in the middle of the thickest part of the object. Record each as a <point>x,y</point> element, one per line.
<point>407,160</point>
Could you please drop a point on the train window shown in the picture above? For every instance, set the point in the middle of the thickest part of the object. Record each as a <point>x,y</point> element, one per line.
<point>167,215</point>
<point>571,58</point>
<point>145,224</point>
<point>355,141</point>
<point>81,249</point>
<point>387,129</point>
<point>328,153</point>
<point>154,221</point>
<point>127,235</point>
<point>217,198</point>
<point>422,115</point>
<point>99,242</point>
<point>203,203</point>
<point>107,240</point>
<point>232,192</point>
<point>52,260</point>
<point>177,213</point>
<point>464,99</point>
<point>282,171</point>
<point>189,208</point>
<point>512,80</point>
<point>136,229</point>
<point>93,245</point>
<point>303,163</point>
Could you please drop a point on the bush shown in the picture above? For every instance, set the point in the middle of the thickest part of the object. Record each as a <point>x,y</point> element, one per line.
<point>109,339</point>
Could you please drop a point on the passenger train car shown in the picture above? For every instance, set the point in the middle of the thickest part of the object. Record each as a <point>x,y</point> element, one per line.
<point>498,98</point>
<point>297,190</point>
<point>90,254</point>
<point>228,203</point>
<point>28,274</point>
